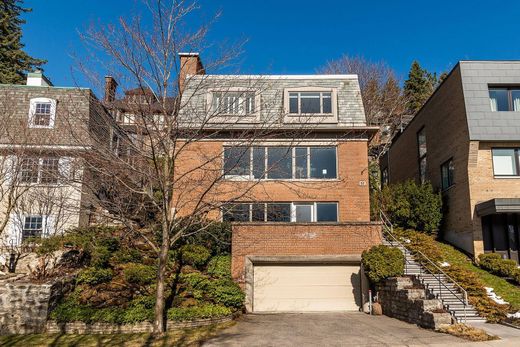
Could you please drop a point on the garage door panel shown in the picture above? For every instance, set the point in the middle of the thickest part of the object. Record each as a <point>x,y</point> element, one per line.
<point>301,288</point>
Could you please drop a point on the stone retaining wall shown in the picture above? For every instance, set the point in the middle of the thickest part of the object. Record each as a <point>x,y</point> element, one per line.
<point>54,327</point>
<point>24,306</point>
<point>405,299</point>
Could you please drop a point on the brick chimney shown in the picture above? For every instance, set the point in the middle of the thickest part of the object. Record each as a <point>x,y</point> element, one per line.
<point>190,65</point>
<point>110,89</point>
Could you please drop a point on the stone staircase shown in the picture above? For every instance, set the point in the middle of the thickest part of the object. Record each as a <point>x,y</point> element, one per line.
<point>439,287</point>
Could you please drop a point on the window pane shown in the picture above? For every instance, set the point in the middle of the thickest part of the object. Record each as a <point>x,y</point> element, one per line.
<point>29,170</point>
<point>258,162</point>
<point>310,102</point>
<point>327,212</point>
<point>421,142</point>
<point>250,103</point>
<point>504,161</point>
<point>303,213</point>
<point>515,95</point>
<point>32,227</point>
<point>301,162</point>
<point>278,212</point>
<point>258,213</point>
<point>293,103</point>
<point>236,161</point>
<point>327,102</point>
<point>50,171</point>
<point>279,160</point>
<point>323,162</point>
<point>422,169</point>
<point>447,174</point>
<point>499,99</point>
<point>236,213</point>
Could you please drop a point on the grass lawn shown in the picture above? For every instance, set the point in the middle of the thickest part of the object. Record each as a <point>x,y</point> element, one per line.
<point>508,291</point>
<point>188,337</point>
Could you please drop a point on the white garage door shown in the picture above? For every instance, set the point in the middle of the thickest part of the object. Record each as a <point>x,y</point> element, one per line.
<point>306,288</point>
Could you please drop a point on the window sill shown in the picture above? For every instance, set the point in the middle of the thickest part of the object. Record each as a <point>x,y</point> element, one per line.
<point>41,126</point>
<point>507,177</point>
<point>244,179</point>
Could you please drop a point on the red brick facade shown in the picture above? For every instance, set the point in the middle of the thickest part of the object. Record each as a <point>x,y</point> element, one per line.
<point>286,239</point>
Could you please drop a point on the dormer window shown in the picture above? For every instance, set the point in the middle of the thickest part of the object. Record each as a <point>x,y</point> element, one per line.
<point>42,113</point>
<point>235,103</point>
<point>310,103</point>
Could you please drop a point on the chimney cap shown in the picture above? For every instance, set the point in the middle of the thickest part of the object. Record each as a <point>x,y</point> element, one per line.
<point>189,54</point>
<point>38,79</point>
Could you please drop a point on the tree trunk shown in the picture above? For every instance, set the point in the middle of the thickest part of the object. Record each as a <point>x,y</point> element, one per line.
<point>159,325</point>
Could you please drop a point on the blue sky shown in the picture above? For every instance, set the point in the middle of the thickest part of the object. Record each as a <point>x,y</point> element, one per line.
<point>298,37</point>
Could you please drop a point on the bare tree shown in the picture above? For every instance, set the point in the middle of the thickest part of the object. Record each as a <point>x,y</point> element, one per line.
<point>383,98</point>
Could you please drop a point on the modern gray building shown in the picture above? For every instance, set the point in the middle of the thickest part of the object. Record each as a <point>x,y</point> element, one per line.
<point>466,141</point>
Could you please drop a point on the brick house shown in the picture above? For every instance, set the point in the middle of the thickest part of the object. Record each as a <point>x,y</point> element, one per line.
<point>466,140</point>
<point>45,129</point>
<point>297,193</point>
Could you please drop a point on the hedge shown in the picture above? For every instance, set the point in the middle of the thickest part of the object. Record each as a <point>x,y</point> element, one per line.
<point>381,262</point>
<point>494,263</point>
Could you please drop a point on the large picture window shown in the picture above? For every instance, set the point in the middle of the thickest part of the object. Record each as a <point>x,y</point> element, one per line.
<point>281,162</point>
<point>298,212</point>
<point>40,170</point>
<point>504,98</point>
<point>506,161</point>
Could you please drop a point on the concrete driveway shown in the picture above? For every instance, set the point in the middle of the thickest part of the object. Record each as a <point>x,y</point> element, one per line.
<point>327,329</point>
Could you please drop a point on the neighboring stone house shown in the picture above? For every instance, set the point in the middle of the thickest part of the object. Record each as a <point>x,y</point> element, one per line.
<point>296,192</point>
<point>466,141</point>
<point>44,131</point>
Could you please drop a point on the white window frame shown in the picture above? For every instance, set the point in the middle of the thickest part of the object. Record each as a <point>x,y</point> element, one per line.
<point>32,111</point>
<point>311,118</point>
<point>234,118</point>
<point>250,176</point>
<point>64,170</point>
<point>293,204</point>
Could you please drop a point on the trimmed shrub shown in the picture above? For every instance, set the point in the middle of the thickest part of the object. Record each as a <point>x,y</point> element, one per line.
<point>123,256</point>
<point>413,206</point>
<point>220,266</point>
<point>93,276</point>
<point>226,292</point>
<point>194,255</point>
<point>494,263</point>
<point>198,312</point>
<point>381,262</point>
<point>139,274</point>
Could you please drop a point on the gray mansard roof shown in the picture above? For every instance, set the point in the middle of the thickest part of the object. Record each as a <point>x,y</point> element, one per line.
<point>270,89</point>
<point>484,124</point>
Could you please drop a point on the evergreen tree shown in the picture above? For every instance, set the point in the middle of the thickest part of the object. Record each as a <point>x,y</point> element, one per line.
<point>418,87</point>
<point>14,62</point>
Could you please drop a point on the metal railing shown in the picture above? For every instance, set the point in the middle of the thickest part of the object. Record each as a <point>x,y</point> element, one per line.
<point>388,229</point>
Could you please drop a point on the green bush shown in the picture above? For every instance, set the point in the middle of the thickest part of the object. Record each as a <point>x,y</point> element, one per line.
<point>216,237</point>
<point>494,263</point>
<point>140,274</point>
<point>220,266</point>
<point>198,312</point>
<point>413,206</point>
<point>93,276</point>
<point>226,292</point>
<point>194,255</point>
<point>381,262</point>
<point>123,256</point>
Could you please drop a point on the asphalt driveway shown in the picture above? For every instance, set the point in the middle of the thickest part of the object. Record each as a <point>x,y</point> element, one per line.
<point>327,329</point>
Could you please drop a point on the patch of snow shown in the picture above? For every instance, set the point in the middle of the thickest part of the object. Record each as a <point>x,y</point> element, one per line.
<point>493,296</point>
<point>444,264</point>
<point>407,241</point>
<point>514,315</point>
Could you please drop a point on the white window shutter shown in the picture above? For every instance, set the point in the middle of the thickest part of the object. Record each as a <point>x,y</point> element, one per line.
<point>64,167</point>
<point>49,226</point>
<point>9,169</point>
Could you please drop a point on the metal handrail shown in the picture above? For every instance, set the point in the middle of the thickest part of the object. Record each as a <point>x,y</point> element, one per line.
<point>387,224</point>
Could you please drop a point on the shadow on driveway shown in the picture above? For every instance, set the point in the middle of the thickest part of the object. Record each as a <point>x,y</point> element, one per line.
<point>326,329</point>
